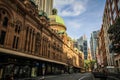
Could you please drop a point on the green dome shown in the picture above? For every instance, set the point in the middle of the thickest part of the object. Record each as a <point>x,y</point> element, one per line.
<point>61,32</point>
<point>57,19</point>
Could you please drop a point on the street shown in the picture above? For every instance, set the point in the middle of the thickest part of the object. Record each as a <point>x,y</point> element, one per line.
<point>75,76</point>
<point>59,39</point>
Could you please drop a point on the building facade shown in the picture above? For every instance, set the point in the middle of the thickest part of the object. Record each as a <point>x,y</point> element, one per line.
<point>102,49</point>
<point>83,46</point>
<point>93,43</point>
<point>111,13</point>
<point>57,25</point>
<point>28,47</point>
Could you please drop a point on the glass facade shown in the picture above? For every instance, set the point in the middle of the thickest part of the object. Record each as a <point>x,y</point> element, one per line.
<point>114,15</point>
<point>113,5</point>
<point>119,5</point>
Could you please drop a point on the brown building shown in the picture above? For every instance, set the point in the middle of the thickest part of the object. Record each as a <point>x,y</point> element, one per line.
<point>28,47</point>
<point>57,25</point>
<point>111,13</point>
<point>101,48</point>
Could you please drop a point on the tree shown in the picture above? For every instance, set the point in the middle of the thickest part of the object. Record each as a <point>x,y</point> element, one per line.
<point>114,36</point>
<point>89,64</point>
<point>86,64</point>
<point>92,63</point>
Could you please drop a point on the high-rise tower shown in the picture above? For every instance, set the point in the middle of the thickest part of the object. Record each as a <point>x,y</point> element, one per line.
<point>45,5</point>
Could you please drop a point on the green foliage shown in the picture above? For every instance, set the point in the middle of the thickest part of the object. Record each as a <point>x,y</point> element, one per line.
<point>114,35</point>
<point>89,64</point>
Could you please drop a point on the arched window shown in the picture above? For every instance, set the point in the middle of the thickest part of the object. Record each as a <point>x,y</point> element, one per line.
<point>4,17</point>
<point>18,27</point>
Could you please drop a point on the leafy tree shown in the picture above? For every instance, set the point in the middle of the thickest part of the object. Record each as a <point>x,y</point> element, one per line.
<point>86,64</point>
<point>114,36</point>
<point>89,64</point>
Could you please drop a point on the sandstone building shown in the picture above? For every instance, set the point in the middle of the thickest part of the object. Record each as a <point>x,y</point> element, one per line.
<point>29,47</point>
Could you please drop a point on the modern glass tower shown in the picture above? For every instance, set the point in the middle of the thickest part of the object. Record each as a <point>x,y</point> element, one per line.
<point>93,43</point>
<point>83,46</point>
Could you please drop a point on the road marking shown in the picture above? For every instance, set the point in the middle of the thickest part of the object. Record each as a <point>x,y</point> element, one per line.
<point>82,78</point>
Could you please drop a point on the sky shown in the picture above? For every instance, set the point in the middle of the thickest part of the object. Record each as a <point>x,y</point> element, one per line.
<point>81,17</point>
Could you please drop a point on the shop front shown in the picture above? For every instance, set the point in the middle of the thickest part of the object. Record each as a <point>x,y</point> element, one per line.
<point>22,67</point>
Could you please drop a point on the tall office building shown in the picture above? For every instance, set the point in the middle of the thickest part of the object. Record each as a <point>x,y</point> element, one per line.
<point>82,43</point>
<point>45,5</point>
<point>93,43</point>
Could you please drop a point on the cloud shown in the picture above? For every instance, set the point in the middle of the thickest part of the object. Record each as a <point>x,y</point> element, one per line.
<point>58,3</point>
<point>74,24</point>
<point>70,7</point>
<point>73,28</point>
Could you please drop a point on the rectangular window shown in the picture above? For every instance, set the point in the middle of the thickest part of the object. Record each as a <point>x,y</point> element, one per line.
<point>17,42</point>
<point>113,5</point>
<point>109,7</point>
<point>119,5</point>
<point>111,21</point>
<point>114,15</point>
<point>14,42</point>
<point>2,37</point>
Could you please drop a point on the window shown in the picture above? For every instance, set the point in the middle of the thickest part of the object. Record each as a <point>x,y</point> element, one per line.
<point>48,53</point>
<point>5,22</point>
<point>37,43</point>
<point>114,15</point>
<point>53,55</point>
<point>110,14</point>
<point>2,37</point>
<point>0,16</point>
<point>119,5</point>
<point>111,22</point>
<point>113,5</point>
<point>17,27</point>
<point>15,42</point>
<point>4,17</point>
<point>109,7</point>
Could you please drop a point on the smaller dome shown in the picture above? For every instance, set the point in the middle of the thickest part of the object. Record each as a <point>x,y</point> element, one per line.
<point>61,32</point>
<point>57,19</point>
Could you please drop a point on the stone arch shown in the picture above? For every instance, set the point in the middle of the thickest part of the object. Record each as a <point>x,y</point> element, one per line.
<point>6,15</point>
<point>5,7</point>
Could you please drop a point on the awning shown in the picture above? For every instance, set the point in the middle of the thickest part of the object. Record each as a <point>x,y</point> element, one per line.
<point>7,51</point>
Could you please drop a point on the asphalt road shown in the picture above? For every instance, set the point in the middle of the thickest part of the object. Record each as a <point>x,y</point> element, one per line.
<point>75,76</point>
